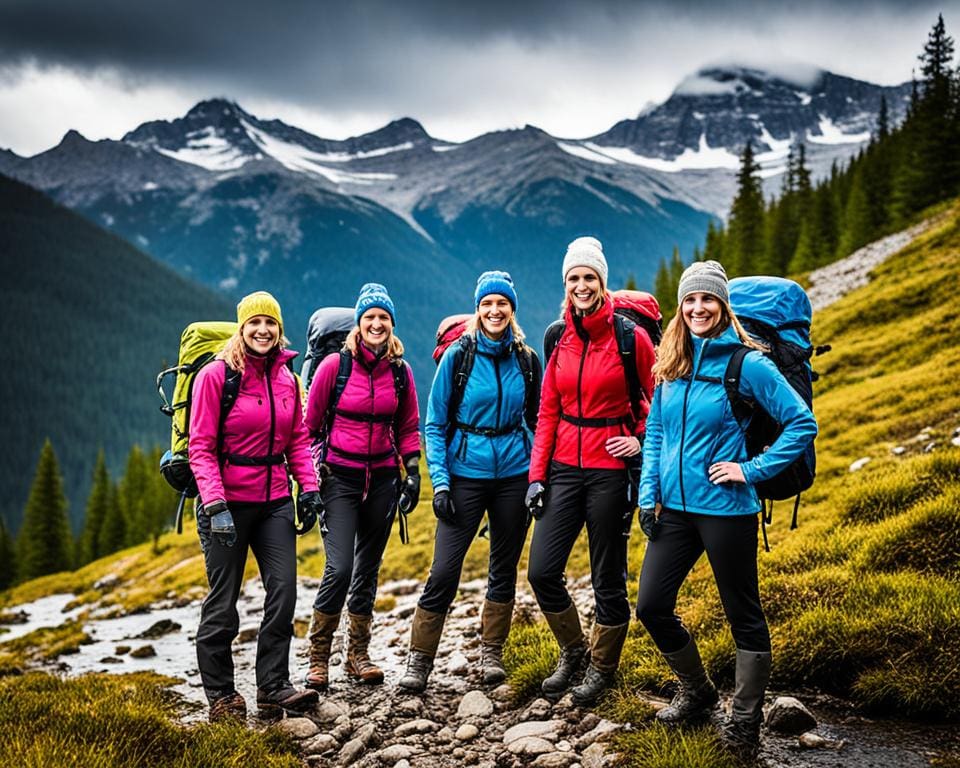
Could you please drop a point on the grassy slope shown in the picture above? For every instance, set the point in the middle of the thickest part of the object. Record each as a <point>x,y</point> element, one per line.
<point>863,599</point>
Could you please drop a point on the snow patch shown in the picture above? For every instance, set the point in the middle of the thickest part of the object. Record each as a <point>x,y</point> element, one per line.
<point>594,155</point>
<point>805,98</point>
<point>150,186</point>
<point>208,150</point>
<point>439,148</point>
<point>831,134</point>
<point>345,157</point>
<point>704,157</point>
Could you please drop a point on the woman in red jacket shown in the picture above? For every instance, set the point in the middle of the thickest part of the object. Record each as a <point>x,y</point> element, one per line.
<point>586,434</point>
<point>241,468</point>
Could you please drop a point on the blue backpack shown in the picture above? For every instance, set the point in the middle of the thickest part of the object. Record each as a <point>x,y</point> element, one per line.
<point>776,312</point>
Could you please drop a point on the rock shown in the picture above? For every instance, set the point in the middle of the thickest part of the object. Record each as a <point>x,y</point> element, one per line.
<point>367,733</point>
<point>955,441</point>
<point>545,729</point>
<point>402,764</point>
<point>502,693</point>
<point>554,760</point>
<point>445,735</point>
<point>159,629</point>
<point>928,448</point>
<point>538,709</point>
<point>564,746</point>
<point>401,587</point>
<point>320,744</point>
<point>859,464</point>
<point>106,583</point>
<point>111,660</point>
<point>350,752</point>
<point>811,740</point>
<point>474,704</point>
<point>898,450</point>
<point>247,635</point>
<point>459,753</point>
<point>411,706</point>
<point>593,756</point>
<point>464,610</point>
<point>328,711</point>
<point>600,732</point>
<point>298,727</point>
<point>789,715</point>
<point>458,664</point>
<point>396,752</point>
<point>143,652</point>
<point>121,650</point>
<point>415,726</point>
<point>467,732</point>
<point>587,723</point>
<point>14,617</point>
<point>530,745</point>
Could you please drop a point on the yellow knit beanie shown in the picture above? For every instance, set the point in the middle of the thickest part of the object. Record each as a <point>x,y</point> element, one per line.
<point>259,303</point>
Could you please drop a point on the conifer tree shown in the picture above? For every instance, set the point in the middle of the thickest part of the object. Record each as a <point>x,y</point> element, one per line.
<point>8,557</point>
<point>96,512</point>
<point>160,502</point>
<point>134,493</point>
<point>113,532</point>
<point>857,226</point>
<point>746,228</point>
<point>661,284</point>
<point>883,120</point>
<point>44,544</point>
<point>631,284</point>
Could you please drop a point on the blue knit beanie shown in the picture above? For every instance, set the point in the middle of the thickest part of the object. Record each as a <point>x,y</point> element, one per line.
<point>374,295</point>
<point>496,281</point>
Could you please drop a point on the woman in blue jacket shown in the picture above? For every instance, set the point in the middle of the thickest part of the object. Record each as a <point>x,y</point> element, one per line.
<point>478,459</point>
<point>697,494</point>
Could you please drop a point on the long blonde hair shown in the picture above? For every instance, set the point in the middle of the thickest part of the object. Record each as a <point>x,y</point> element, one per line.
<point>234,352</point>
<point>675,353</point>
<point>394,345</point>
<point>474,326</point>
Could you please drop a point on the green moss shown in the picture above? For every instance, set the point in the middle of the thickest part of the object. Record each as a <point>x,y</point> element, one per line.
<point>659,747</point>
<point>43,644</point>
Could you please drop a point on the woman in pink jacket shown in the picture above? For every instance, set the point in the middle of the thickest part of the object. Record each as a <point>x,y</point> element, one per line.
<point>242,473</point>
<point>365,436</point>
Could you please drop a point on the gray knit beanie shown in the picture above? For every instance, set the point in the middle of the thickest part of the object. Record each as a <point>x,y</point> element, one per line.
<point>704,277</point>
<point>586,252</point>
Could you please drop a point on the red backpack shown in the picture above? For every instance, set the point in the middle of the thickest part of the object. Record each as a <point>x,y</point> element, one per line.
<point>450,329</point>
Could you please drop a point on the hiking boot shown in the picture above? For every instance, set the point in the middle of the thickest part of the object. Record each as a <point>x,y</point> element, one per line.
<point>320,635</point>
<point>573,650</point>
<point>230,707</point>
<point>424,639</point>
<point>606,645</point>
<point>696,696</point>
<point>494,628</point>
<point>285,698</point>
<point>359,666</point>
<point>741,732</point>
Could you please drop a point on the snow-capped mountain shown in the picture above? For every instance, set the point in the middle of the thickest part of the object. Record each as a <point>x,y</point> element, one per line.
<point>242,203</point>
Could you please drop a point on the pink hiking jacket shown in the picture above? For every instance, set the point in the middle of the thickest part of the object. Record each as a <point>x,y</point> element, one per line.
<point>266,419</point>
<point>361,434</point>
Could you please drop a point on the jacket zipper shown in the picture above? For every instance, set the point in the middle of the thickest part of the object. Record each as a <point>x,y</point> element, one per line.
<point>496,369</point>
<point>373,410</point>
<point>273,427</point>
<point>683,420</point>
<point>583,360</point>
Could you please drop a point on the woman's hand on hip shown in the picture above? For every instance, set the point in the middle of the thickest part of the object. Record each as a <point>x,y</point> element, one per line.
<point>726,472</point>
<point>623,446</point>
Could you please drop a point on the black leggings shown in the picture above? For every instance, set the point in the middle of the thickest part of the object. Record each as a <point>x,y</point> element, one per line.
<point>731,546</point>
<point>358,532</point>
<point>502,500</point>
<point>576,497</point>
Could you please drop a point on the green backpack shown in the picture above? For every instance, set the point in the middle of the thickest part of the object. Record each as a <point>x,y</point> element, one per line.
<point>199,345</point>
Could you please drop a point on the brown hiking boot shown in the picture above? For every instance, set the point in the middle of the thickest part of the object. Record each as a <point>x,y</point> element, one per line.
<point>321,637</point>
<point>606,645</point>
<point>494,628</point>
<point>358,664</point>
<point>424,639</point>
<point>273,703</point>
<point>228,708</point>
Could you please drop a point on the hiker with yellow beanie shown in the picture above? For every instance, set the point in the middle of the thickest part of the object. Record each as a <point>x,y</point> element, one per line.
<point>241,466</point>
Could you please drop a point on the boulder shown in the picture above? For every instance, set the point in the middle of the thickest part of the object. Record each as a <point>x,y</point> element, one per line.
<point>159,629</point>
<point>544,729</point>
<point>474,704</point>
<point>396,752</point>
<point>467,732</point>
<point>789,715</point>
<point>530,745</point>
<point>298,727</point>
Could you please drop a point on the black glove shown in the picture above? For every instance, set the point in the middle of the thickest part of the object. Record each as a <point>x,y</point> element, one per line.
<point>409,494</point>
<point>309,510</point>
<point>627,520</point>
<point>443,508</point>
<point>221,523</point>
<point>534,500</point>
<point>649,522</point>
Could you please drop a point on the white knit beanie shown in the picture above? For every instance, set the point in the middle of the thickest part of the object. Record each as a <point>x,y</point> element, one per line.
<point>586,252</point>
<point>704,277</point>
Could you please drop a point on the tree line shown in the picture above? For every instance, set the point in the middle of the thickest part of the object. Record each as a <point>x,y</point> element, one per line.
<point>901,171</point>
<point>137,507</point>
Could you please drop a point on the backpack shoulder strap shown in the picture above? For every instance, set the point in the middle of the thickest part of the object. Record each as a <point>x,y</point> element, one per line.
<point>627,347</point>
<point>464,356</point>
<point>532,373</point>
<point>741,407</point>
<point>551,338</point>
<point>228,396</point>
<point>340,383</point>
<point>401,381</point>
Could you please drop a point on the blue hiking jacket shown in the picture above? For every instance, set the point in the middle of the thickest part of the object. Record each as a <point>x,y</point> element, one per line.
<point>493,398</point>
<point>691,426</point>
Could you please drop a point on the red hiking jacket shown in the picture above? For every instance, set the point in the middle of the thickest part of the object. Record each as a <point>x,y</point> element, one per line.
<point>584,379</point>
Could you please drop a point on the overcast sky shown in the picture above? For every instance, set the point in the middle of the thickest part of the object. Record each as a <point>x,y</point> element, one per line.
<point>460,68</point>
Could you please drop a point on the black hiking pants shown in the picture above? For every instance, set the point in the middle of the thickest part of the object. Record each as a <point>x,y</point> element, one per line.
<point>576,497</point>
<point>359,527</point>
<point>730,542</point>
<point>502,500</point>
<point>267,529</point>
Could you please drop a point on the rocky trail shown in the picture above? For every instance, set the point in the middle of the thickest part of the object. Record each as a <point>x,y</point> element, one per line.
<point>457,721</point>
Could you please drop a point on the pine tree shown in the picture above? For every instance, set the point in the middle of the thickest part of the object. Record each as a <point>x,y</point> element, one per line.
<point>661,284</point>
<point>161,501</point>
<point>113,532</point>
<point>631,284</point>
<point>883,120</point>
<point>8,557</point>
<point>857,228</point>
<point>134,493</point>
<point>96,512</point>
<point>746,229</point>
<point>44,544</point>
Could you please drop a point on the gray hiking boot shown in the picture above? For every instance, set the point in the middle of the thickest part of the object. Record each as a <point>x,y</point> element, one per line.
<point>697,696</point>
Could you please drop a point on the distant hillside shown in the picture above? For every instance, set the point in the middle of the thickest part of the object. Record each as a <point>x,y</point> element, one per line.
<point>93,320</point>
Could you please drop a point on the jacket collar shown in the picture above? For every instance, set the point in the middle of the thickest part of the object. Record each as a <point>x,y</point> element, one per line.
<point>368,359</point>
<point>597,324</point>
<point>716,346</point>
<point>498,348</point>
<point>276,359</point>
